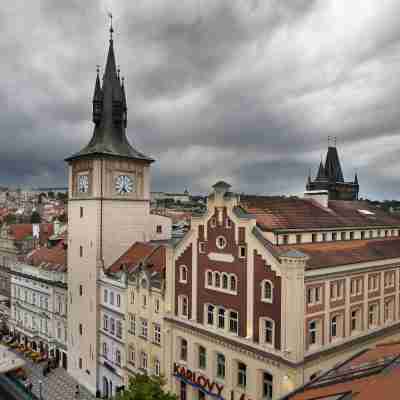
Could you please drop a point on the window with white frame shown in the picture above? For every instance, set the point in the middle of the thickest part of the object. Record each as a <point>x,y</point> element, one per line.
<point>221,318</point>
<point>157,333</point>
<point>105,350</point>
<point>202,357</point>
<point>220,366</point>
<point>132,355</point>
<point>373,283</point>
<point>119,329</point>
<point>373,315</point>
<point>132,324</point>
<point>389,279</point>
<point>242,374</point>
<point>355,320</point>
<point>144,328</point>
<point>118,300</point>
<point>144,301</point>
<point>183,274</point>
<point>118,357</point>
<point>221,281</point>
<point>183,353</point>
<point>267,291</point>
<point>132,296</point>
<point>388,310</point>
<point>157,367</point>
<point>335,326</point>
<point>217,279</point>
<point>105,322</point>
<point>210,314</point>
<point>314,295</point>
<point>336,289</point>
<point>234,322</point>
<point>112,298</point>
<point>233,283</point>
<point>221,242</point>
<point>314,333</point>
<point>157,306</point>
<point>209,277</point>
<point>267,331</point>
<point>143,360</point>
<point>267,386</point>
<point>356,286</point>
<point>225,281</point>
<point>183,306</point>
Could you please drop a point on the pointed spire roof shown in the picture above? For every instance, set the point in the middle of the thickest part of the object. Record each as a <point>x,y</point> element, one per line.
<point>321,176</point>
<point>333,169</point>
<point>109,136</point>
<point>97,96</point>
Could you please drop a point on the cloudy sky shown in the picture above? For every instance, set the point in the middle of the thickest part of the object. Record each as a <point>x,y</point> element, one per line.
<point>242,90</point>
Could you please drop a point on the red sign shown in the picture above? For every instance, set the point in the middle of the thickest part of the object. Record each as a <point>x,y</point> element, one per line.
<point>195,379</point>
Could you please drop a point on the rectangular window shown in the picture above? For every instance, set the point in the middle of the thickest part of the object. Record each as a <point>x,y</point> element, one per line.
<point>105,322</point>
<point>233,322</point>
<point>220,366</point>
<point>80,251</point>
<point>210,314</point>
<point>355,320</point>
<point>221,318</point>
<point>334,236</point>
<point>112,326</point>
<point>351,235</point>
<point>373,316</point>
<point>324,237</point>
<point>342,235</point>
<point>242,251</point>
<point>202,247</point>
<point>132,297</point>
<point>157,333</point>
<point>362,235</point>
<point>119,329</point>
<point>157,306</point>
<point>268,331</point>
<point>202,357</point>
<point>184,350</point>
<point>298,238</point>
<point>314,237</point>
<point>112,298</point>
<point>285,239</point>
<point>144,328</point>
<point>81,212</point>
<point>372,283</point>
<point>105,295</point>
<point>267,388</point>
<point>242,374</point>
<point>313,333</point>
<point>132,323</point>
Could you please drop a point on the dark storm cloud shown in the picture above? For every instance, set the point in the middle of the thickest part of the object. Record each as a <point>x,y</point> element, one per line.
<point>243,90</point>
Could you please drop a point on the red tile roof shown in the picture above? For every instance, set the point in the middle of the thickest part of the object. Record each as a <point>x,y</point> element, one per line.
<point>54,258</point>
<point>21,231</point>
<point>306,214</point>
<point>375,374</point>
<point>136,253</point>
<point>329,254</point>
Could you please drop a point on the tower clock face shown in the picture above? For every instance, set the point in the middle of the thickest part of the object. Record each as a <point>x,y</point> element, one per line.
<point>83,183</point>
<point>124,184</point>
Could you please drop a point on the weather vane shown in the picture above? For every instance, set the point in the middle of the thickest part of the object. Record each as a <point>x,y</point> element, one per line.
<point>111,25</point>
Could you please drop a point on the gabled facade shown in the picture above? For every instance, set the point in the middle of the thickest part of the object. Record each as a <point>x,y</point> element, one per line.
<point>267,292</point>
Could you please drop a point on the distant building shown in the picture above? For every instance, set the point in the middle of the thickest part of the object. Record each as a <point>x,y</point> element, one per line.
<point>39,301</point>
<point>330,178</point>
<point>173,197</point>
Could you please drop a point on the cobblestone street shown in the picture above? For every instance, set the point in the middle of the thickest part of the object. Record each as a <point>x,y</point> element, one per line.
<point>57,385</point>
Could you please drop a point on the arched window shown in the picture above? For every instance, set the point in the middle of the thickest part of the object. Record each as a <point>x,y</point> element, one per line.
<point>183,306</point>
<point>224,281</point>
<point>217,279</point>
<point>233,283</point>
<point>221,242</point>
<point>267,291</point>
<point>183,274</point>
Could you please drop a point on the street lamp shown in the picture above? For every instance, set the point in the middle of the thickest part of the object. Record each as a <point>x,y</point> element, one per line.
<point>40,390</point>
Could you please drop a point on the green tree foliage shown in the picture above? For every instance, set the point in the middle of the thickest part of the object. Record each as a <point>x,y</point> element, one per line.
<point>36,218</point>
<point>144,387</point>
<point>63,218</point>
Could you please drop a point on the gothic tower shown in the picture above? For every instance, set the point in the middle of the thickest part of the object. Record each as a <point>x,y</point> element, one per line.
<point>330,178</point>
<point>108,209</point>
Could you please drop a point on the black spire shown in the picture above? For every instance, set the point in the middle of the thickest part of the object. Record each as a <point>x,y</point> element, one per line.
<point>321,176</point>
<point>109,115</point>
<point>333,169</point>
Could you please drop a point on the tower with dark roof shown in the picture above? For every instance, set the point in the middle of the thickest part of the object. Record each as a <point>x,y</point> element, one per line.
<point>330,178</point>
<point>108,209</point>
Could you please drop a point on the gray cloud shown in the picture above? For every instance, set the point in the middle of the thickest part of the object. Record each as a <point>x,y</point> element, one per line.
<point>242,90</point>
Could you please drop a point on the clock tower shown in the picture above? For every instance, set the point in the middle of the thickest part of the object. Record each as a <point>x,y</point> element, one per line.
<point>108,210</point>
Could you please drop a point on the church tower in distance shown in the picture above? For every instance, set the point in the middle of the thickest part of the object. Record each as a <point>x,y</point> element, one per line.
<point>108,210</point>
<point>330,178</point>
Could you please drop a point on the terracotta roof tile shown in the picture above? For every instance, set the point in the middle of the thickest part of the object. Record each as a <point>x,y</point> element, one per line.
<point>21,231</point>
<point>137,252</point>
<point>54,259</point>
<point>295,213</point>
<point>374,374</point>
<point>329,254</point>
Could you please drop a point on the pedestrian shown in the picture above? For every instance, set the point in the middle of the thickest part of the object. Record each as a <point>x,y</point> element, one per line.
<point>77,394</point>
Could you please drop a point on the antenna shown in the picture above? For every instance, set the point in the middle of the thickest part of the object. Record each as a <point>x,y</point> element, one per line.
<point>111,25</point>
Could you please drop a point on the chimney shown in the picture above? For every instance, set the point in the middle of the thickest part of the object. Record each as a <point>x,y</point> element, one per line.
<point>319,196</point>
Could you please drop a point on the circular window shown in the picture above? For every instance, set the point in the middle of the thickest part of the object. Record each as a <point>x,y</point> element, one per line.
<point>221,242</point>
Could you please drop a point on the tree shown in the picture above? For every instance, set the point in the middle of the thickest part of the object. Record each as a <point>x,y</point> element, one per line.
<point>63,218</point>
<point>36,218</point>
<point>145,387</point>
